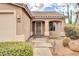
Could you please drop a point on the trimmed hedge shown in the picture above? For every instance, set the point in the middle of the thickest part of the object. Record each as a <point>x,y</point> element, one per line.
<point>72,31</point>
<point>15,49</point>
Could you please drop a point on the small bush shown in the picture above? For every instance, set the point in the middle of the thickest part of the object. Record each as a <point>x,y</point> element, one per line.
<point>72,31</point>
<point>66,41</point>
<point>15,49</point>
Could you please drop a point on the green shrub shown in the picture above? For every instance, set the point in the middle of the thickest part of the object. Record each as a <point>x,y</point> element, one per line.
<point>77,31</point>
<point>15,49</point>
<point>70,31</point>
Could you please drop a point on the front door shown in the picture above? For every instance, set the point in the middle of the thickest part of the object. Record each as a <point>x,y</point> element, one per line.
<point>38,28</point>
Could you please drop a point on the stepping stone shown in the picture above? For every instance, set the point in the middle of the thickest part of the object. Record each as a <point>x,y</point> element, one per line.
<point>41,52</point>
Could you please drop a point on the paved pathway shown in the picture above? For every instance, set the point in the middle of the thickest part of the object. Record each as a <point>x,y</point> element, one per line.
<point>41,47</point>
<point>41,52</point>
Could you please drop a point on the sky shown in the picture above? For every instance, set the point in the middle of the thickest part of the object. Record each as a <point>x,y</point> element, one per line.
<point>49,6</point>
<point>42,1</point>
<point>52,1</point>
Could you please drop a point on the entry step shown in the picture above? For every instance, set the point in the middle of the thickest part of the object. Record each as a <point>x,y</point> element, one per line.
<point>44,45</point>
<point>38,41</point>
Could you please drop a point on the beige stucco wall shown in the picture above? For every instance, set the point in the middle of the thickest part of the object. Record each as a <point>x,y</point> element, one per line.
<point>18,11</point>
<point>17,30</point>
<point>26,25</point>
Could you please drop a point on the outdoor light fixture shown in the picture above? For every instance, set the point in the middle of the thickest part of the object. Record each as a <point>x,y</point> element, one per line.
<point>18,20</point>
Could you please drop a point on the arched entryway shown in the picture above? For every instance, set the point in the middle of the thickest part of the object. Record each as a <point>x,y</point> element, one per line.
<point>38,27</point>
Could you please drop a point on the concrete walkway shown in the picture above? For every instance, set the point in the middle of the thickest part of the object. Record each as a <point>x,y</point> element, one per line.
<point>41,47</point>
<point>41,52</point>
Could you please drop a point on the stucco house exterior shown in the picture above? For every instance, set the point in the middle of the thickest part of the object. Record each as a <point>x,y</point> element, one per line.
<point>14,22</point>
<point>17,23</point>
<point>47,24</point>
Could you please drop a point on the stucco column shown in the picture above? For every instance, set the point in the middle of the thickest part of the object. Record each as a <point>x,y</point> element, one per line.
<point>59,25</point>
<point>46,28</point>
<point>35,27</point>
<point>62,29</point>
<point>41,29</point>
<point>55,26</point>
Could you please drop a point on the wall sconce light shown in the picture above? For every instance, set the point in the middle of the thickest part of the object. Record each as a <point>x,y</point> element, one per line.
<point>18,20</point>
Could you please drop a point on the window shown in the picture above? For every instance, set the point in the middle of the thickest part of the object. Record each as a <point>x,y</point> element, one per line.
<point>51,26</point>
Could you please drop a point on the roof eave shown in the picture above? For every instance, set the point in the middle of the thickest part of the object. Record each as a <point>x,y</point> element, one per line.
<point>27,11</point>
